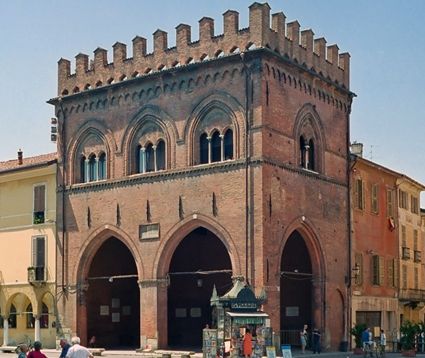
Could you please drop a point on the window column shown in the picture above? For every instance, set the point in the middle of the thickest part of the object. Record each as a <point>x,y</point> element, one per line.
<point>221,147</point>
<point>307,156</point>
<point>142,160</point>
<point>155,166</point>
<point>96,169</point>
<point>209,149</point>
<point>36,328</point>
<point>5,330</point>
<point>87,171</point>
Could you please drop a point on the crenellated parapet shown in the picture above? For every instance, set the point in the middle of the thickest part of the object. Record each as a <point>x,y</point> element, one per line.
<point>284,38</point>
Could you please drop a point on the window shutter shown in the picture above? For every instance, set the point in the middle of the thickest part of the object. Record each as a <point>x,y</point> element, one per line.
<point>39,198</point>
<point>375,270</point>
<point>381,271</point>
<point>396,273</point>
<point>390,273</point>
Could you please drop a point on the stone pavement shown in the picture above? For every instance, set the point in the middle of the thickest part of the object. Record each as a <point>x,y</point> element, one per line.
<point>52,353</point>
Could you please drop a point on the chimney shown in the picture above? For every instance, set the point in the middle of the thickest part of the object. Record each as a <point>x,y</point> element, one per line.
<point>20,157</point>
<point>357,149</point>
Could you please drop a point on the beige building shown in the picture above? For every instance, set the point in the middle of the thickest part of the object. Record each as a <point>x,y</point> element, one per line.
<point>27,250</point>
<point>412,247</point>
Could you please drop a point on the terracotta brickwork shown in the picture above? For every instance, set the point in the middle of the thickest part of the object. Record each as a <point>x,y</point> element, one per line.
<point>270,97</point>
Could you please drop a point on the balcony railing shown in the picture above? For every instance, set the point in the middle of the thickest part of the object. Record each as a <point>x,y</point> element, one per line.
<point>36,274</point>
<point>405,253</point>
<point>409,294</point>
<point>38,217</point>
<point>417,256</point>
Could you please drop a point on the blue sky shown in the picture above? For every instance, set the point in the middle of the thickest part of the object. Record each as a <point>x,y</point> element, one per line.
<point>384,37</point>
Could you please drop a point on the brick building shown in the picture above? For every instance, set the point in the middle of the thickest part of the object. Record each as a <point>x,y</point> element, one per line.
<point>375,246</point>
<point>180,169</point>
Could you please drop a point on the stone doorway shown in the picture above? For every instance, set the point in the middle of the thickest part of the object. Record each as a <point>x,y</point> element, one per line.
<point>112,299</point>
<point>295,289</point>
<point>199,262</point>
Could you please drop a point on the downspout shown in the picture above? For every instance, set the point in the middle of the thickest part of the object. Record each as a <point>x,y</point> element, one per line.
<point>62,134</point>
<point>349,227</point>
<point>247,160</point>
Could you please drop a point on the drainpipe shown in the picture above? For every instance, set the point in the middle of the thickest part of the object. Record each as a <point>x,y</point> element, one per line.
<point>247,160</point>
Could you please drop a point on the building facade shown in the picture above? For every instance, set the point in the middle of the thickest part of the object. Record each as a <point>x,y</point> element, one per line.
<point>375,251</point>
<point>28,250</point>
<point>180,170</point>
<point>411,248</point>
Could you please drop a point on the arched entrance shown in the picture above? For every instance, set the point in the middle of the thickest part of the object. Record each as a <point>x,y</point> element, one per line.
<point>112,299</point>
<point>295,289</point>
<point>199,262</point>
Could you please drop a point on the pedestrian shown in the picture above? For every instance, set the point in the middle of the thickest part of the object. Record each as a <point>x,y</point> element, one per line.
<point>36,353</point>
<point>247,343</point>
<point>77,350</point>
<point>23,350</point>
<point>382,341</point>
<point>303,338</point>
<point>316,341</point>
<point>65,346</point>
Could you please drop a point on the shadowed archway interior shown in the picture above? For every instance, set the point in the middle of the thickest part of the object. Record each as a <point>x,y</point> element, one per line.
<point>295,289</point>
<point>199,262</point>
<point>113,304</point>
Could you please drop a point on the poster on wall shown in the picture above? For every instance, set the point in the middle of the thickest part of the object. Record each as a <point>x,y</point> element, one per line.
<point>104,310</point>
<point>115,317</point>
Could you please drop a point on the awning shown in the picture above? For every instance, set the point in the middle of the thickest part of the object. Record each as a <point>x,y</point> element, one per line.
<point>247,314</point>
<point>248,317</point>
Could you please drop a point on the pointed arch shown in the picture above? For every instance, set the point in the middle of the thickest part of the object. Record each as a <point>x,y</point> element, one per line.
<point>309,127</point>
<point>221,103</point>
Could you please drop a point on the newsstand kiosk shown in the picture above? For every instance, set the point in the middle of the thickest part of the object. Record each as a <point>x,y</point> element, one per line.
<point>233,313</point>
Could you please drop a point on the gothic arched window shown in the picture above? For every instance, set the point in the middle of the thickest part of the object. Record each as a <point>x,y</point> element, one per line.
<point>216,147</point>
<point>160,155</point>
<point>102,166</point>
<point>29,316</point>
<point>83,172</point>
<point>12,316</point>
<point>150,158</point>
<point>92,168</point>
<point>302,152</point>
<point>228,145</point>
<point>203,149</point>
<point>311,158</point>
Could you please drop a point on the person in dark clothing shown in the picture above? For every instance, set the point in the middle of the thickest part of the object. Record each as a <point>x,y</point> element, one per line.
<point>65,346</point>
<point>316,341</point>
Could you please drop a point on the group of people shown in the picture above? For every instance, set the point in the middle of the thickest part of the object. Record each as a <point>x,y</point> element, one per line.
<point>68,351</point>
<point>315,340</point>
<point>367,339</point>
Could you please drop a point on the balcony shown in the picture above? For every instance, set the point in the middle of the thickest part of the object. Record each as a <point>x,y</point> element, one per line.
<point>38,217</point>
<point>417,256</point>
<point>36,275</point>
<point>409,294</point>
<point>405,253</point>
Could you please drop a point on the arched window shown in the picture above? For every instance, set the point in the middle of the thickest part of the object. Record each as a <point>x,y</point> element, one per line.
<point>92,168</point>
<point>12,316</point>
<point>29,316</point>
<point>311,158</point>
<point>302,152</point>
<point>140,157</point>
<point>44,317</point>
<point>203,149</point>
<point>216,147</point>
<point>150,160</point>
<point>228,145</point>
<point>160,155</point>
<point>102,166</point>
<point>83,173</point>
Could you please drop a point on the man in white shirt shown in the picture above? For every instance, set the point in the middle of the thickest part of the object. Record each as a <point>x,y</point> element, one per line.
<point>78,351</point>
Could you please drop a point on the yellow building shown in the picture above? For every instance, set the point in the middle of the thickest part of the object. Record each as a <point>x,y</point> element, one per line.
<point>412,251</point>
<point>27,250</point>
